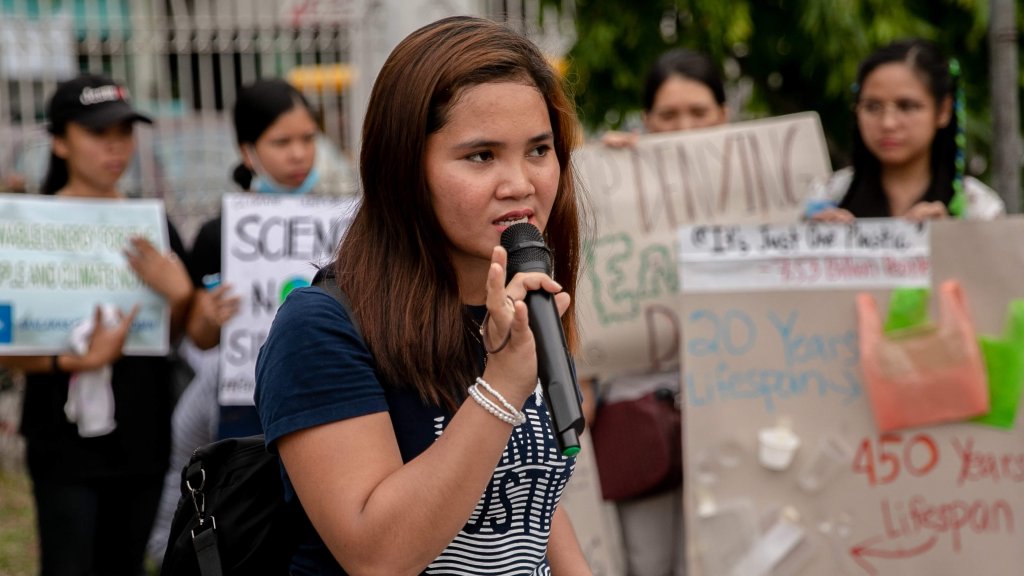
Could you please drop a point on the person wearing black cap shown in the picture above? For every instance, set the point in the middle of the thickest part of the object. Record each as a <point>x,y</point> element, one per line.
<point>96,495</point>
<point>92,123</point>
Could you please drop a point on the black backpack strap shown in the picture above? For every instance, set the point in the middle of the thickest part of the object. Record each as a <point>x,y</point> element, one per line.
<point>204,536</point>
<point>204,539</point>
<point>326,281</point>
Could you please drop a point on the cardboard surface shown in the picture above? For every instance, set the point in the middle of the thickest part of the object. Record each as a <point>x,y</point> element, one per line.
<point>945,499</point>
<point>756,171</point>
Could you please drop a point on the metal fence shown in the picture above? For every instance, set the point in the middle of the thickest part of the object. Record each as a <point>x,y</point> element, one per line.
<point>183,61</point>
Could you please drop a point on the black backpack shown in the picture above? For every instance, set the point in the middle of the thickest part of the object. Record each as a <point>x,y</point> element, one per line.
<point>232,517</point>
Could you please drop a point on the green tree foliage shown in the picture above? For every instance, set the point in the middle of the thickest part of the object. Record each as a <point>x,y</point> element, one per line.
<point>795,55</point>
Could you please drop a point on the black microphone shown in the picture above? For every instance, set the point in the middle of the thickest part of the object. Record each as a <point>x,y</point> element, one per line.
<point>528,253</point>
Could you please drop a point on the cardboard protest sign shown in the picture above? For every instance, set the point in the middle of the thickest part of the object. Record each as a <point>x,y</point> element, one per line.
<point>786,472</point>
<point>60,258</point>
<point>757,171</point>
<point>272,245</point>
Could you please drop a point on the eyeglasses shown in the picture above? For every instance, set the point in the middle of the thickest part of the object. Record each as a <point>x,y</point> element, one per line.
<point>876,109</point>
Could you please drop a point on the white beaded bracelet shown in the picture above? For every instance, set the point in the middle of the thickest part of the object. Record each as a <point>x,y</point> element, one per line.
<point>490,390</point>
<point>514,419</point>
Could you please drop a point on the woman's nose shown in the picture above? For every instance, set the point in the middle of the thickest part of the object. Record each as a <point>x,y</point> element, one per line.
<point>516,182</point>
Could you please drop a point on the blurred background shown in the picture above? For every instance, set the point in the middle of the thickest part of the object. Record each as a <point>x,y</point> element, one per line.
<point>184,60</point>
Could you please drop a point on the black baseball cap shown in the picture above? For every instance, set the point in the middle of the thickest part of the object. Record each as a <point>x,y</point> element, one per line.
<point>92,100</point>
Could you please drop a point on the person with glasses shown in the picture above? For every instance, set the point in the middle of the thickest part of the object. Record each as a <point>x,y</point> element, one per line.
<point>908,144</point>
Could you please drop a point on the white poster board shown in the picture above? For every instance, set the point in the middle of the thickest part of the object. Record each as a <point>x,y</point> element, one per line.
<point>866,253</point>
<point>272,245</point>
<point>758,171</point>
<point>61,257</point>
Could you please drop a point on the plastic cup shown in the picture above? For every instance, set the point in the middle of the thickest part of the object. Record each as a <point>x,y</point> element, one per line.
<point>829,456</point>
<point>778,445</point>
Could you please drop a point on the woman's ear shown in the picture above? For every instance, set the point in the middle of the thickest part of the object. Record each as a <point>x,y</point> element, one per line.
<point>60,147</point>
<point>945,112</point>
<point>246,151</point>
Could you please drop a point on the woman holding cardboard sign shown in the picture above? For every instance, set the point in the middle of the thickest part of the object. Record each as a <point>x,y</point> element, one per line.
<point>683,91</point>
<point>97,424</point>
<point>908,144</point>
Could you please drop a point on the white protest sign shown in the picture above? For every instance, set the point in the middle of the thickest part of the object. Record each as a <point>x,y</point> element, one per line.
<point>61,257</point>
<point>37,48</point>
<point>272,245</point>
<point>758,171</point>
<point>866,254</point>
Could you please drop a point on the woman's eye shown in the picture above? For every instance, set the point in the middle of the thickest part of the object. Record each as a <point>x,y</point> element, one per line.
<point>480,156</point>
<point>541,150</point>
<point>873,107</point>
<point>906,106</point>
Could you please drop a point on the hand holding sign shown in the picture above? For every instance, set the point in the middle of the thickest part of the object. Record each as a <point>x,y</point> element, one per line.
<point>164,273</point>
<point>105,344</point>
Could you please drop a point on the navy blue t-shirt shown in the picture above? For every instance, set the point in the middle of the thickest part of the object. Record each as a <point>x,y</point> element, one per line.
<point>315,369</point>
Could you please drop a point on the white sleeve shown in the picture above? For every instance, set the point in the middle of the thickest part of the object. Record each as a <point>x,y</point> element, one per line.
<point>982,202</point>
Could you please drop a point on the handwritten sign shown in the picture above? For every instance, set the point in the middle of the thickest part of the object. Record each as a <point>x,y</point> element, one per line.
<point>60,257</point>
<point>272,245</point>
<point>864,254</point>
<point>945,499</point>
<point>756,171</point>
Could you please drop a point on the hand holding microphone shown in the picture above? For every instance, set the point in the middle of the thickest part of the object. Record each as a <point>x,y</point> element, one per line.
<point>528,253</point>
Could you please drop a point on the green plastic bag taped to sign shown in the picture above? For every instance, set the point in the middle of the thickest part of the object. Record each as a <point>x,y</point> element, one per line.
<point>1004,357</point>
<point>908,308</point>
<point>1004,363</point>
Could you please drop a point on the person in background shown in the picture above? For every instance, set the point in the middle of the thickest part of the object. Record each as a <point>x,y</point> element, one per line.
<point>276,130</point>
<point>413,432</point>
<point>908,153</point>
<point>13,183</point>
<point>96,496</point>
<point>683,90</point>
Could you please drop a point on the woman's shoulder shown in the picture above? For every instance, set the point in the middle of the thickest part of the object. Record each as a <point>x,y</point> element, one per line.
<point>314,367</point>
<point>982,202</point>
<point>312,307</point>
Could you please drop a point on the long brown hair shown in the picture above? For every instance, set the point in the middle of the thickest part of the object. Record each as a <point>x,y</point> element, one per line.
<point>393,262</point>
<point>866,197</point>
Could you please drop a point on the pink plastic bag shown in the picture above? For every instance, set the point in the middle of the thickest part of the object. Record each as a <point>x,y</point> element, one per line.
<point>926,375</point>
